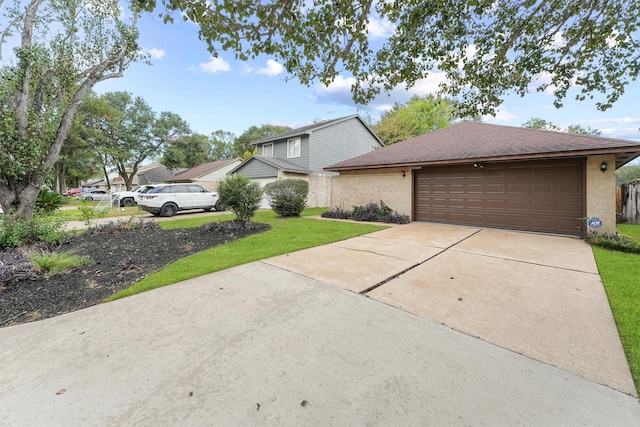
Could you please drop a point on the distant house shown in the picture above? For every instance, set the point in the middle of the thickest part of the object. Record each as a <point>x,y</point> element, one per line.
<point>305,152</point>
<point>153,173</point>
<point>208,175</point>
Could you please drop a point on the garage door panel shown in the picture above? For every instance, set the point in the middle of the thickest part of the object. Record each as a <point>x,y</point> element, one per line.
<point>524,195</point>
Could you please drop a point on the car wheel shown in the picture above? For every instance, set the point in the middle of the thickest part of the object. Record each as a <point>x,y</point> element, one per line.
<point>89,199</point>
<point>127,202</point>
<point>169,209</point>
<point>219,206</point>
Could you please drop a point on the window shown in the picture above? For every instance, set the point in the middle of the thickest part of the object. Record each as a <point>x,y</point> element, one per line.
<point>267,150</point>
<point>293,148</point>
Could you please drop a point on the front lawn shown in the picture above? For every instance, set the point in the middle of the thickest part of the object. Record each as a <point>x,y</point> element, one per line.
<point>286,235</point>
<point>620,273</point>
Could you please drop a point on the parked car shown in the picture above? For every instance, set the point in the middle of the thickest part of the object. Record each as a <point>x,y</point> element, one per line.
<point>168,199</point>
<point>130,198</point>
<point>73,191</point>
<point>95,194</point>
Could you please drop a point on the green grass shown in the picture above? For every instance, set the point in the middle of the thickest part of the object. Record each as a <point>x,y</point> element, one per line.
<point>630,230</point>
<point>620,273</point>
<point>286,235</point>
<point>55,263</point>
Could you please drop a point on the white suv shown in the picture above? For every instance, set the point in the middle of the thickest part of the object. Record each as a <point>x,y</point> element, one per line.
<point>168,199</point>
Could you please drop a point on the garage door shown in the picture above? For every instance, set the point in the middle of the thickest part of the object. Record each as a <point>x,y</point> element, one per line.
<point>543,196</point>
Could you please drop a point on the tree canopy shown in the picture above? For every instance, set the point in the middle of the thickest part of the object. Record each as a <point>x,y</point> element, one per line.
<point>486,48</point>
<point>416,117</point>
<point>64,49</point>
<point>538,123</point>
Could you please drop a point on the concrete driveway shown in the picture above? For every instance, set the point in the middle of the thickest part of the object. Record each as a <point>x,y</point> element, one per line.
<point>278,343</point>
<point>538,295</point>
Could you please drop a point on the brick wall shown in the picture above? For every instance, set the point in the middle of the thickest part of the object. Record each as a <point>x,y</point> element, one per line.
<point>601,192</point>
<point>319,187</point>
<point>352,188</point>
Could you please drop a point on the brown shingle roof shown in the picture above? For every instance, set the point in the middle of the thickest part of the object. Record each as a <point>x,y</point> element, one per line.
<point>200,170</point>
<point>472,141</point>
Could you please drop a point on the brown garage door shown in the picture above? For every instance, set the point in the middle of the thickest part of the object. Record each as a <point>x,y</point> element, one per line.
<point>537,196</point>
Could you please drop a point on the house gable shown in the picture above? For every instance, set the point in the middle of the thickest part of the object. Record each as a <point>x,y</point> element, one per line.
<point>324,143</point>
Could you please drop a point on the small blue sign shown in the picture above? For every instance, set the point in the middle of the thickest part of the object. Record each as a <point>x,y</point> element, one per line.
<point>595,222</point>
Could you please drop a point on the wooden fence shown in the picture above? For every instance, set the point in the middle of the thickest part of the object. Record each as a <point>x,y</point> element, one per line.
<point>628,203</point>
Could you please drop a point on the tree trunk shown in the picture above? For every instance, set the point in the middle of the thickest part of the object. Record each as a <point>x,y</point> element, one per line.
<point>19,201</point>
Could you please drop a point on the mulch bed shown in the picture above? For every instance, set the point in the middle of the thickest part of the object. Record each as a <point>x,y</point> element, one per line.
<point>122,257</point>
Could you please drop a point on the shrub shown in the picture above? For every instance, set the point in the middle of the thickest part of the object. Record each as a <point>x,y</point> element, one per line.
<point>15,266</point>
<point>48,201</point>
<point>615,242</point>
<point>89,213</point>
<point>337,213</point>
<point>369,212</point>
<point>241,196</point>
<point>120,226</point>
<point>396,218</point>
<point>288,197</point>
<point>18,232</point>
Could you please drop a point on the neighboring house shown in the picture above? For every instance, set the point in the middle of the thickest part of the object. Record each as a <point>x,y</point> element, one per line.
<point>305,152</point>
<point>154,173</point>
<point>208,175</point>
<point>495,176</point>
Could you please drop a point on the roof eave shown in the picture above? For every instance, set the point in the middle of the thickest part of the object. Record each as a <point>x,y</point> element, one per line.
<point>620,160</point>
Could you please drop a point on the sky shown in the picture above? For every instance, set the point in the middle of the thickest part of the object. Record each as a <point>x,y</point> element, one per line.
<point>224,94</point>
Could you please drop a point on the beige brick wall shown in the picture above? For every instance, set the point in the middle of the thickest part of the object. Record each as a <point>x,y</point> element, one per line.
<point>354,188</point>
<point>319,187</point>
<point>601,192</point>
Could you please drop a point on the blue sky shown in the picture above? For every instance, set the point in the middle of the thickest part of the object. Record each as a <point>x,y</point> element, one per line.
<point>224,94</point>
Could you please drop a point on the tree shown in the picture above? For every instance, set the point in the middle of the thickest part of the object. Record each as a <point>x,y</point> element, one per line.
<point>221,143</point>
<point>187,152</point>
<point>126,132</point>
<point>416,117</point>
<point>628,173</point>
<point>242,143</point>
<point>486,48</point>
<point>538,123</point>
<point>65,48</point>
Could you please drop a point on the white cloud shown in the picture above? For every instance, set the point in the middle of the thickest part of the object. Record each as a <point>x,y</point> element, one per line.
<point>272,69</point>
<point>622,133</point>
<point>155,53</point>
<point>380,28</point>
<point>614,120</point>
<point>339,92</point>
<point>214,65</point>
<point>501,116</point>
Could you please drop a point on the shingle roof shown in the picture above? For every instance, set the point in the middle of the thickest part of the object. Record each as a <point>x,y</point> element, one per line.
<point>200,170</point>
<point>310,128</point>
<point>471,141</point>
<point>277,163</point>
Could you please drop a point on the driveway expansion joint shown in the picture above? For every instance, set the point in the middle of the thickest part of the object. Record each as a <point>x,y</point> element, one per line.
<point>395,276</point>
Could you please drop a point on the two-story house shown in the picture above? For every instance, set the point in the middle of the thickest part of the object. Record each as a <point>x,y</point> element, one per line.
<point>303,153</point>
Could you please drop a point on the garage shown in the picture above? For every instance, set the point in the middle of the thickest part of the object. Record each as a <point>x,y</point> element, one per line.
<point>486,175</point>
<point>544,196</point>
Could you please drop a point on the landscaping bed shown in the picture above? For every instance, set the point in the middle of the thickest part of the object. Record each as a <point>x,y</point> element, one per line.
<point>120,257</point>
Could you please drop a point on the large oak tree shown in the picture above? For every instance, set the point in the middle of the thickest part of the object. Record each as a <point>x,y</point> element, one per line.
<point>487,48</point>
<point>64,48</point>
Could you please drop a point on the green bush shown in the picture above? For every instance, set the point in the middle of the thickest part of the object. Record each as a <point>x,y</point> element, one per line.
<point>288,197</point>
<point>614,242</point>
<point>18,232</point>
<point>369,212</point>
<point>241,196</point>
<point>48,201</point>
